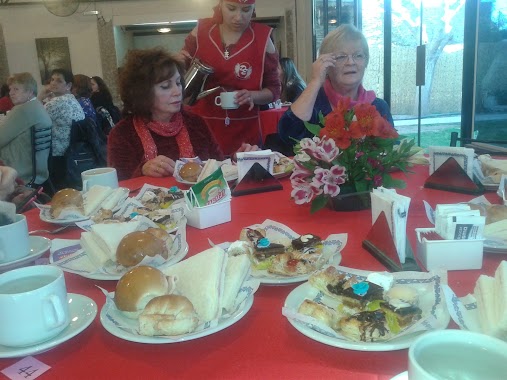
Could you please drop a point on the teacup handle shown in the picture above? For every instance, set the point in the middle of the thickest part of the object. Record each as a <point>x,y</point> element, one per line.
<point>218,101</point>
<point>59,315</point>
<point>85,185</point>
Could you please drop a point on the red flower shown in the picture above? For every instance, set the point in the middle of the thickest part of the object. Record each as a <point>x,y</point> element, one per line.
<point>367,119</point>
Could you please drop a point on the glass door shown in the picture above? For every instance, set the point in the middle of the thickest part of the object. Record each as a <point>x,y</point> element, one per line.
<point>418,46</point>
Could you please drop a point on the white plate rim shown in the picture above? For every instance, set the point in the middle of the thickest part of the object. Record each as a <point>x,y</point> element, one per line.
<point>79,301</point>
<point>392,345</point>
<point>279,280</point>
<point>112,329</point>
<point>113,277</point>
<point>45,245</point>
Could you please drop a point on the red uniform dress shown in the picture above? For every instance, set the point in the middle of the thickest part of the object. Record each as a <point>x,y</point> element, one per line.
<point>242,67</point>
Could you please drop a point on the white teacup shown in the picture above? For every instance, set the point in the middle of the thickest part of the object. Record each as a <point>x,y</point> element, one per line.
<point>99,176</point>
<point>14,240</point>
<point>226,100</point>
<point>457,354</point>
<point>33,304</point>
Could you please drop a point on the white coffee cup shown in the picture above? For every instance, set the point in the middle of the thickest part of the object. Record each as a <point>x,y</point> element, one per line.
<point>14,240</point>
<point>99,176</point>
<point>226,100</point>
<point>33,304</point>
<point>457,354</point>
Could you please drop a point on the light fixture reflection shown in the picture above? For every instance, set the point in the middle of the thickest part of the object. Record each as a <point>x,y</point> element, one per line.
<point>164,30</point>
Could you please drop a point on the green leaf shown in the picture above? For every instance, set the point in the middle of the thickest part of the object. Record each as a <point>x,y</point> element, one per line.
<point>390,182</point>
<point>313,128</point>
<point>318,203</point>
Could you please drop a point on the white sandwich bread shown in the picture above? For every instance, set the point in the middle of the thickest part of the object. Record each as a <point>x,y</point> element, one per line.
<point>93,198</point>
<point>139,286</point>
<point>117,195</point>
<point>200,278</point>
<point>168,315</point>
<point>209,168</point>
<point>236,272</point>
<point>491,296</point>
<point>101,243</point>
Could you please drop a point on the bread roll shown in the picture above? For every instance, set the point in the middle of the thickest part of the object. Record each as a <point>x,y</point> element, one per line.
<point>66,199</point>
<point>190,171</point>
<point>138,244</point>
<point>137,287</point>
<point>168,315</point>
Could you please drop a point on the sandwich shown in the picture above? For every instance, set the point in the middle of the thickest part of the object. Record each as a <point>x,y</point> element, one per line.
<point>168,315</point>
<point>209,168</point>
<point>200,278</point>
<point>491,296</point>
<point>139,286</point>
<point>66,200</point>
<point>93,198</point>
<point>101,243</point>
<point>236,272</point>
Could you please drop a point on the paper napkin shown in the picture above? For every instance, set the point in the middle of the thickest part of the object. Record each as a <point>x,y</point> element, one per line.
<point>395,208</point>
<point>265,158</point>
<point>440,154</point>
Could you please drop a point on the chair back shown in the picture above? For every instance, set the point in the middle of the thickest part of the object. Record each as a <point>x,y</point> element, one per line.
<point>481,146</point>
<point>41,148</point>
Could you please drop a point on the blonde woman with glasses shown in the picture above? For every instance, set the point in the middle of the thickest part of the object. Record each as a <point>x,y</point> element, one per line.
<point>337,73</point>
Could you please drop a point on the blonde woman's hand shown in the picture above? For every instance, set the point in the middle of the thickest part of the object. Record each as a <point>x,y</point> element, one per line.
<point>160,166</point>
<point>321,65</point>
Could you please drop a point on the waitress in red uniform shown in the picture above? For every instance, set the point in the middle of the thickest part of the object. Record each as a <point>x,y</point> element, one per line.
<point>244,59</point>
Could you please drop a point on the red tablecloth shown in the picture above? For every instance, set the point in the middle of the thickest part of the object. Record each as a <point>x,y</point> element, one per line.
<point>269,120</point>
<point>262,345</point>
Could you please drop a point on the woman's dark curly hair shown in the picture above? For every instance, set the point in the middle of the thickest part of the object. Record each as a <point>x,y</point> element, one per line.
<point>143,69</point>
<point>103,89</point>
<point>82,86</point>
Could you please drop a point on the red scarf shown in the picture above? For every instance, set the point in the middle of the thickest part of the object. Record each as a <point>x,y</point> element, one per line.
<point>333,96</point>
<point>175,128</point>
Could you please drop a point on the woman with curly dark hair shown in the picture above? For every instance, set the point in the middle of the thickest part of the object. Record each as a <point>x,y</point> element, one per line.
<point>82,90</point>
<point>156,130</point>
<point>101,97</point>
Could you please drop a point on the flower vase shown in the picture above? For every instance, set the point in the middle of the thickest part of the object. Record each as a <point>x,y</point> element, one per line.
<point>353,201</point>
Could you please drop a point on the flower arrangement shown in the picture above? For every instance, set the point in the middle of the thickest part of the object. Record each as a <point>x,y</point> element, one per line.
<point>353,153</point>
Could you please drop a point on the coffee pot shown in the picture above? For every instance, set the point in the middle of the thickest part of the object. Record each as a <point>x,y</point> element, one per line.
<point>195,80</point>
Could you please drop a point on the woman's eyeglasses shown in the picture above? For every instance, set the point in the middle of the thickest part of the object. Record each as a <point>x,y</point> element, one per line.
<point>357,58</point>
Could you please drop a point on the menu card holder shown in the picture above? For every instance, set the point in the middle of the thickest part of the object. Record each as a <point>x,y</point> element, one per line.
<point>450,176</point>
<point>256,180</point>
<point>379,242</point>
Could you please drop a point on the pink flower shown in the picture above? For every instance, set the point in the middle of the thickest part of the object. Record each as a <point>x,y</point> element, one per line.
<point>377,180</point>
<point>330,179</point>
<point>326,151</point>
<point>304,192</point>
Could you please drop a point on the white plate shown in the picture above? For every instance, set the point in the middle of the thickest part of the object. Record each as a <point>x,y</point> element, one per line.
<point>275,279</point>
<point>109,324</point>
<point>116,276</point>
<point>401,376</point>
<point>82,313</point>
<point>38,246</point>
<point>63,222</point>
<point>298,295</point>
<point>495,246</point>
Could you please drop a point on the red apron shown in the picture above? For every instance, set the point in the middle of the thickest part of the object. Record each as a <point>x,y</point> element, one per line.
<point>243,69</point>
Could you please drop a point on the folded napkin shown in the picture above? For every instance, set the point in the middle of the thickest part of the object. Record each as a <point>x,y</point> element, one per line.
<point>440,154</point>
<point>265,158</point>
<point>395,208</point>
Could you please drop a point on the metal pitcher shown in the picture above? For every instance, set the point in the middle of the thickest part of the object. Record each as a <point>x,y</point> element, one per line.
<point>195,80</point>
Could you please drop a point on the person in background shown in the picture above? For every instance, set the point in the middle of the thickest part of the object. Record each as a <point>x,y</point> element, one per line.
<point>101,97</point>
<point>292,83</point>
<point>156,130</point>
<point>82,90</point>
<point>64,109</point>
<point>7,182</point>
<point>244,60</point>
<point>5,101</point>
<point>15,130</point>
<point>337,73</point>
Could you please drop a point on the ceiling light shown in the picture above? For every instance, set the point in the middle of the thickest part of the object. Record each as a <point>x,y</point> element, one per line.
<point>332,21</point>
<point>164,30</point>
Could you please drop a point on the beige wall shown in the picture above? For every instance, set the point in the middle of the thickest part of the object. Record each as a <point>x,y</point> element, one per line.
<point>22,24</point>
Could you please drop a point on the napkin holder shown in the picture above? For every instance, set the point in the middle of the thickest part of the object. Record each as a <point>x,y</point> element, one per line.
<point>436,253</point>
<point>256,180</point>
<point>450,176</point>
<point>211,215</point>
<point>379,242</point>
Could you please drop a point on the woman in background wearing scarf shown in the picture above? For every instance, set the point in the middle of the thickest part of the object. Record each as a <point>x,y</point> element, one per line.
<point>155,130</point>
<point>337,73</point>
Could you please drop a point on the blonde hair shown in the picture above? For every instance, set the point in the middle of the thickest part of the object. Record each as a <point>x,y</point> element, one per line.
<point>344,33</point>
<point>25,80</point>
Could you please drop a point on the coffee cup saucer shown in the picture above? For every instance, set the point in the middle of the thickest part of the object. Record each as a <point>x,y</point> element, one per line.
<point>82,313</point>
<point>38,246</point>
<point>401,376</point>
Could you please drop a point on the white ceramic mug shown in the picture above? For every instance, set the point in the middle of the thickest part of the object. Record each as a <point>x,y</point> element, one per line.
<point>34,306</point>
<point>14,240</point>
<point>226,100</point>
<point>99,176</point>
<point>457,354</point>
